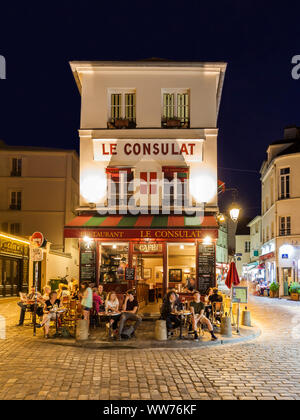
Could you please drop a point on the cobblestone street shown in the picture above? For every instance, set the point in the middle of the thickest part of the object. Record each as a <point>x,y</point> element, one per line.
<point>266,368</point>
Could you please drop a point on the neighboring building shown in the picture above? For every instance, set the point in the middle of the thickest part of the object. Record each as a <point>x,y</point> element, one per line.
<point>254,269</point>
<point>38,191</point>
<point>168,112</point>
<point>222,253</point>
<point>280,210</point>
<point>242,247</point>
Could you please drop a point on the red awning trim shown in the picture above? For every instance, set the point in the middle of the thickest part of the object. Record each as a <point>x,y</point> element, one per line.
<point>266,256</point>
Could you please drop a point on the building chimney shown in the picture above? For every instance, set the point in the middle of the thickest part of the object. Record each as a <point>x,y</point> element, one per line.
<point>292,132</point>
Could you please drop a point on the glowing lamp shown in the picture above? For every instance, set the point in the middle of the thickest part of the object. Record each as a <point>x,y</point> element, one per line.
<point>207,240</point>
<point>234,212</point>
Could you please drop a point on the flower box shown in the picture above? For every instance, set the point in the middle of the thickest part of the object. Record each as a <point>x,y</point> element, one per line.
<point>295,296</point>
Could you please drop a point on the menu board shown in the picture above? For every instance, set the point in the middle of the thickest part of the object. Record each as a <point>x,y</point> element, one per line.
<point>206,267</point>
<point>87,264</point>
<point>129,273</point>
<point>239,294</point>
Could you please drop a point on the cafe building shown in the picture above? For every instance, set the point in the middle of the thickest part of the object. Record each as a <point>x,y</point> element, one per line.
<point>148,174</point>
<point>14,265</point>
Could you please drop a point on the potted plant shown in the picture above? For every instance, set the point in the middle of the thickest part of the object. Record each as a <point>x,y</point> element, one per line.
<point>294,290</point>
<point>173,122</point>
<point>121,123</point>
<point>274,290</point>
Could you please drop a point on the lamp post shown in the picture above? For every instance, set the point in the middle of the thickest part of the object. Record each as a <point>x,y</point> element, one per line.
<point>234,209</point>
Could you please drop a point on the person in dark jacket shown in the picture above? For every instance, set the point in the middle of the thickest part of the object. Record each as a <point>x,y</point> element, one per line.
<point>215,297</point>
<point>168,311</point>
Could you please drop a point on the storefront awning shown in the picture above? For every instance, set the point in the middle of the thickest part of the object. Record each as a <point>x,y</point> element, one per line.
<point>133,226</point>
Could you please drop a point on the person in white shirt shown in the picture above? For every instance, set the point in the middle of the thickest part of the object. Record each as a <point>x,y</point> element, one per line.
<point>112,306</point>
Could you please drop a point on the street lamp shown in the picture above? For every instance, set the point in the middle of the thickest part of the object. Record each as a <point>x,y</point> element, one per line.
<point>234,212</point>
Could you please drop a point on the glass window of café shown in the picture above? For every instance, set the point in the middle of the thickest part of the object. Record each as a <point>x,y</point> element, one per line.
<point>113,260</point>
<point>181,266</point>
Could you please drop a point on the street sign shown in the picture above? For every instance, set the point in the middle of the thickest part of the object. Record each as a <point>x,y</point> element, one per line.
<point>36,254</point>
<point>37,238</point>
<point>285,256</point>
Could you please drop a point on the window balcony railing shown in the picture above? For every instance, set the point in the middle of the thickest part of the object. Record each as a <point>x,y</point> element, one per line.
<point>175,123</point>
<point>118,123</point>
<point>15,206</point>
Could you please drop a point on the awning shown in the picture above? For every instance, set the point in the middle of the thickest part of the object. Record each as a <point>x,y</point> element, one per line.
<point>266,256</point>
<point>136,226</point>
<point>251,266</point>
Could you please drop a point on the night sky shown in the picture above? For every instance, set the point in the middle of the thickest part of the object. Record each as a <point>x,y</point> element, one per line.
<point>40,103</point>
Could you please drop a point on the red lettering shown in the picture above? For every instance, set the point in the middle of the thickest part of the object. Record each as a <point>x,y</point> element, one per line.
<point>155,149</point>
<point>103,150</point>
<point>113,148</point>
<point>192,145</point>
<point>127,152</point>
<point>163,150</point>
<point>173,149</point>
<point>184,149</point>
<point>136,149</point>
<point>147,148</point>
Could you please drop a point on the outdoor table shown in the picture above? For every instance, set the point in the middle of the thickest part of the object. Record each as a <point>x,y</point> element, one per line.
<point>182,315</point>
<point>109,315</point>
<point>57,312</point>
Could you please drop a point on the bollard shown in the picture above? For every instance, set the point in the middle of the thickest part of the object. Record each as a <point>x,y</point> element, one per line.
<point>161,330</point>
<point>246,319</point>
<point>226,329</point>
<point>2,328</point>
<point>82,329</point>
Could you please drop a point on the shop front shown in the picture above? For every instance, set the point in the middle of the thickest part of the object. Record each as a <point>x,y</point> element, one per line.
<point>146,252</point>
<point>14,265</point>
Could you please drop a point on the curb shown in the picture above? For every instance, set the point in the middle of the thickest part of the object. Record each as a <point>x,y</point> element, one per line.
<point>251,333</point>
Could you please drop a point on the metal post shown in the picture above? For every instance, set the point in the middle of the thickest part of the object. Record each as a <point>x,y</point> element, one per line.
<point>238,319</point>
<point>36,277</point>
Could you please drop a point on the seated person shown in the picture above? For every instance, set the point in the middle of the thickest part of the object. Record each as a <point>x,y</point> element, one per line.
<point>168,311</point>
<point>129,311</point>
<point>47,291</point>
<point>215,297</point>
<point>50,305</point>
<point>23,304</point>
<point>190,285</point>
<point>208,305</point>
<point>103,296</point>
<point>62,291</point>
<point>178,303</point>
<point>197,308</point>
<point>112,306</point>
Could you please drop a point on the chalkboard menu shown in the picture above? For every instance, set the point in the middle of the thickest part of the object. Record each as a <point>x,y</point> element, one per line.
<point>87,263</point>
<point>129,273</point>
<point>206,267</point>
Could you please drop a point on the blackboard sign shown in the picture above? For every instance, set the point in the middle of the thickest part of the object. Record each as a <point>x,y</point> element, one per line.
<point>206,267</point>
<point>239,294</point>
<point>87,263</point>
<point>129,273</point>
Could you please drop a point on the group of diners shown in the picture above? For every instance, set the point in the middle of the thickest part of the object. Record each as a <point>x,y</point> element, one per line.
<point>200,309</point>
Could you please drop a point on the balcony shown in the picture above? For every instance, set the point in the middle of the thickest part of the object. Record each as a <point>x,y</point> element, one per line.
<point>175,123</point>
<point>121,123</point>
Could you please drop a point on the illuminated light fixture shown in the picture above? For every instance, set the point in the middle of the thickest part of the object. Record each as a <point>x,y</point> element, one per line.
<point>207,240</point>
<point>14,239</point>
<point>221,218</point>
<point>114,246</point>
<point>181,246</point>
<point>234,212</point>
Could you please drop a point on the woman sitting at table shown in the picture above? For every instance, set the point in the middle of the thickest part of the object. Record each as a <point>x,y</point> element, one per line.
<point>51,305</point>
<point>112,306</point>
<point>197,308</point>
<point>168,312</point>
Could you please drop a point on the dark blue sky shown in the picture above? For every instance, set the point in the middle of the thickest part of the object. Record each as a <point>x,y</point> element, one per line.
<point>39,101</point>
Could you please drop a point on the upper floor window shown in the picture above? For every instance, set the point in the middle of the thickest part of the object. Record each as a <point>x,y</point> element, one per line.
<point>284,225</point>
<point>247,246</point>
<point>175,108</point>
<point>119,186</point>
<point>122,105</point>
<point>15,200</point>
<point>16,167</point>
<point>175,186</point>
<point>285,183</point>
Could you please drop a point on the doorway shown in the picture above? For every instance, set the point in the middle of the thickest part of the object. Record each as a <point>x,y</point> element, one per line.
<point>10,276</point>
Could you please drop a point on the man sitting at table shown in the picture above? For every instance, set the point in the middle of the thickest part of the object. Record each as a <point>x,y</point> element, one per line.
<point>23,304</point>
<point>215,297</point>
<point>168,312</point>
<point>129,311</point>
<point>197,308</point>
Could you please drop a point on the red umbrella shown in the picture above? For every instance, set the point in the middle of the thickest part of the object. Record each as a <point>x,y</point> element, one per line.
<point>232,276</point>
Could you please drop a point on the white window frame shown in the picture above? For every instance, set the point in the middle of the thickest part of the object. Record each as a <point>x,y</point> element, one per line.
<point>122,92</point>
<point>175,91</point>
<point>285,225</point>
<point>284,176</point>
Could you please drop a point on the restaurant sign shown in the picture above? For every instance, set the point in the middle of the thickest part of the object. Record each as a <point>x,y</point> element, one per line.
<point>153,247</point>
<point>169,234</point>
<point>9,246</point>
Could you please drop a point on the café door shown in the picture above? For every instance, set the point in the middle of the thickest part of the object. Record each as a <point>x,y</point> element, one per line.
<point>10,276</point>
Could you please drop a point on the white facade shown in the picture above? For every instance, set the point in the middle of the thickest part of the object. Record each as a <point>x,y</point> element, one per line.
<point>280,210</point>
<point>255,238</point>
<point>149,146</point>
<point>242,253</point>
<point>38,191</point>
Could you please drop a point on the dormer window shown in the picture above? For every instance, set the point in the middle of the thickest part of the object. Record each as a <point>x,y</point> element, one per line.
<point>175,108</point>
<point>122,108</point>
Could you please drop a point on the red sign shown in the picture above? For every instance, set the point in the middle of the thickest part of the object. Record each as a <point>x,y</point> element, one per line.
<point>159,234</point>
<point>37,238</point>
<point>266,256</point>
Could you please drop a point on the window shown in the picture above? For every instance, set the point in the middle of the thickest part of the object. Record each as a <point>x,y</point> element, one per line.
<point>284,226</point>
<point>175,185</point>
<point>284,183</point>
<point>15,200</point>
<point>175,110</point>
<point>122,107</point>
<point>272,230</point>
<point>119,185</point>
<point>16,167</point>
<point>247,246</point>
<point>272,191</point>
<point>15,228</point>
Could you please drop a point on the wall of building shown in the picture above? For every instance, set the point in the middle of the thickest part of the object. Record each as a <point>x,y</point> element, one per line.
<point>240,241</point>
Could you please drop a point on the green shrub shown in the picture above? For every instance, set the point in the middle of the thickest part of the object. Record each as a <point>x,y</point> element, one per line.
<point>274,287</point>
<point>294,287</point>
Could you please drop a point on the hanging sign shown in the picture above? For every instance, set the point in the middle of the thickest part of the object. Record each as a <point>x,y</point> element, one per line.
<point>36,254</point>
